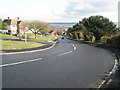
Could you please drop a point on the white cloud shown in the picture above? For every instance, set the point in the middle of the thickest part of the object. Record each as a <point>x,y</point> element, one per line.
<point>58,10</point>
<point>78,9</point>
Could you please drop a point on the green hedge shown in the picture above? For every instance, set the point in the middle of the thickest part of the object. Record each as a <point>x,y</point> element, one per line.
<point>116,41</point>
<point>105,39</point>
<point>111,40</point>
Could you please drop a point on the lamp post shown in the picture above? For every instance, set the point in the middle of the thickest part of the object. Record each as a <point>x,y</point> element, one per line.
<point>119,17</point>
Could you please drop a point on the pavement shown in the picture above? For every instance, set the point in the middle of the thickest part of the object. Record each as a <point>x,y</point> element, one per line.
<point>70,64</point>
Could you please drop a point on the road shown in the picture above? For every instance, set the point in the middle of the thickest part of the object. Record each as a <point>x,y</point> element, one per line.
<point>70,64</point>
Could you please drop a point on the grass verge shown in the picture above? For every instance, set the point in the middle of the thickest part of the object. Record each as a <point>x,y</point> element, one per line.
<point>17,45</point>
<point>5,36</point>
<point>49,38</point>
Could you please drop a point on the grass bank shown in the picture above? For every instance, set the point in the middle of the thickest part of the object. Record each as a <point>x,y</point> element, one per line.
<point>17,45</point>
<point>48,38</point>
<point>5,36</point>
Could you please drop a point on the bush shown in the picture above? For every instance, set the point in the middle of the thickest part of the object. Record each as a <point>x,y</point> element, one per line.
<point>89,36</point>
<point>116,41</point>
<point>111,40</point>
<point>105,39</point>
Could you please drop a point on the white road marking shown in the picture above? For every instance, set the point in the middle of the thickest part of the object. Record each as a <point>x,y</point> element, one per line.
<point>22,62</point>
<point>69,51</point>
<point>101,84</point>
<point>65,53</point>
<point>74,47</point>
<point>113,71</point>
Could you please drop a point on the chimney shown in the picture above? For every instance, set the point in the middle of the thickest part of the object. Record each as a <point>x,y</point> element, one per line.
<point>17,18</point>
<point>8,18</point>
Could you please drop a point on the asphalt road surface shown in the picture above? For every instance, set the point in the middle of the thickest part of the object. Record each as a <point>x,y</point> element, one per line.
<point>70,64</point>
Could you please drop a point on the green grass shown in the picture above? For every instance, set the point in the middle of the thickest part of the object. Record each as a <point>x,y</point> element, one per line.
<point>5,36</point>
<point>49,38</point>
<point>17,45</point>
<point>31,35</point>
<point>39,37</point>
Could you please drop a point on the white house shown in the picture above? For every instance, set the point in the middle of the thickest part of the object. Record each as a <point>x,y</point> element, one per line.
<point>13,25</point>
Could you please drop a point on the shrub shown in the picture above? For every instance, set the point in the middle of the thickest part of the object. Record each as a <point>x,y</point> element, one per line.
<point>111,40</point>
<point>89,36</point>
<point>105,39</point>
<point>116,41</point>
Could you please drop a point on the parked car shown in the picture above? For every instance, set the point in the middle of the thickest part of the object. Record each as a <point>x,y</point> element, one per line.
<point>62,37</point>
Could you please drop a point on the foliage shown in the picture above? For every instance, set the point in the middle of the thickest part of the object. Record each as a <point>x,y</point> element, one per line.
<point>0,23</point>
<point>94,27</point>
<point>38,27</point>
<point>116,41</point>
<point>4,26</point>
<point>75,31</point>
<point>113,40</point>
<point>99,26</point>
<point>104,39</point>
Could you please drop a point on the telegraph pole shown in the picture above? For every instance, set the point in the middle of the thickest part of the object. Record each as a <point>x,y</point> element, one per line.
<point>119,17</point>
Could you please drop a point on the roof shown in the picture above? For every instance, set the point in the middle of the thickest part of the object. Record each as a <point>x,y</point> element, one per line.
<point>12,21</point>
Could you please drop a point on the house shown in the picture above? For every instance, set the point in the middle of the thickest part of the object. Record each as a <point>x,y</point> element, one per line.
<point>14,25</point>
<point>58,30</point>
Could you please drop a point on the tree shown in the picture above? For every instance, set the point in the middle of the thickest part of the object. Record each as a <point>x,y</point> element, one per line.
<point>38,27</point>
<point>77,31</point>
<point>0,23</point>
<point>99,26</point>
<point>4,26</point>
<point>95,26</point>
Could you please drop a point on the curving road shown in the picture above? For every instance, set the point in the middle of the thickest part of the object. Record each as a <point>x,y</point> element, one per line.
<point>70,64</point>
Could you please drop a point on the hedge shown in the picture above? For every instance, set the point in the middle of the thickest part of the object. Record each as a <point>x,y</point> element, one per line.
<point>111,40</point>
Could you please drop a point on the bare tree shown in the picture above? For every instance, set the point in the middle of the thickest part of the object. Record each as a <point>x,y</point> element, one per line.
<point>38,27</point>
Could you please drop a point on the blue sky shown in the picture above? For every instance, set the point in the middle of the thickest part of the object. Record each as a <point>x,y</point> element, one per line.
<point>58,10</point>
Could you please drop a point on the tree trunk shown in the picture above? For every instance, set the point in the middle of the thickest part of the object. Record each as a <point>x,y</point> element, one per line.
<point>35,35</point>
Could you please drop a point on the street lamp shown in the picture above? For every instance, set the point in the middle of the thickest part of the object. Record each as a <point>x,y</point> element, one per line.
<point>119,17</point>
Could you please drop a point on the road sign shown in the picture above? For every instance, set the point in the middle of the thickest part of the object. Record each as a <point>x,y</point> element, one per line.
<point>26,29</point>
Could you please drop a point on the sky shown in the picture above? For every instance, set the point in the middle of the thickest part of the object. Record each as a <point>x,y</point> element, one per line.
<point>58,10</point>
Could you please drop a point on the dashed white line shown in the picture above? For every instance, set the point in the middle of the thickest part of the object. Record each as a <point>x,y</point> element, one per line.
<point>74,47</point>
<point>65,53</point>
<point>22,62</point>
<point>69,51</point>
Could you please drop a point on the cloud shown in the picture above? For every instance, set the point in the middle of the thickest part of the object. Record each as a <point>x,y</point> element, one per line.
<point>85,8</point>
<point>58,10</point>
<point>80,8</point>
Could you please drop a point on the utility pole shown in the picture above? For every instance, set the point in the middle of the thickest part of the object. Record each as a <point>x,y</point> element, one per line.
<point>119,17</point>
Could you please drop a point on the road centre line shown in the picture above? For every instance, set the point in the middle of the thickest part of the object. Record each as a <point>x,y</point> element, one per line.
<point>65,53</point>
<point>22,62</point>
<point>74,46</point>
<point>69,51</point>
